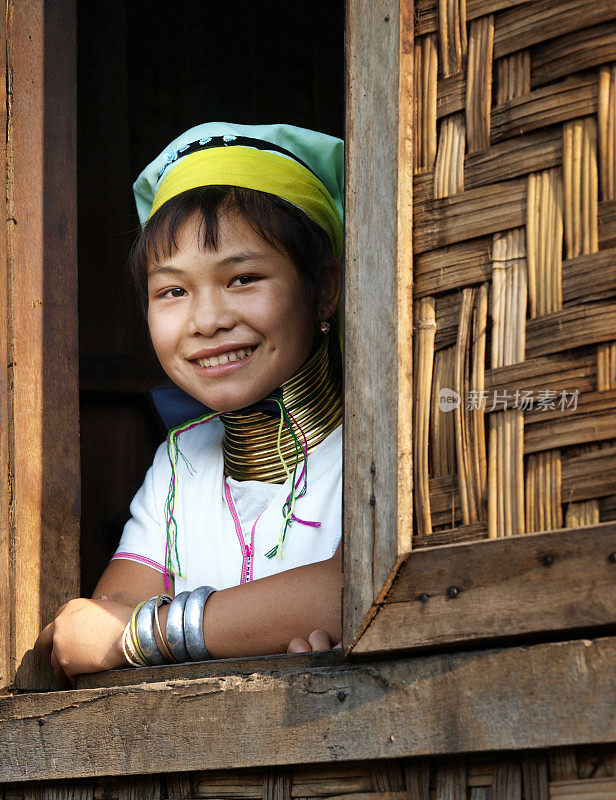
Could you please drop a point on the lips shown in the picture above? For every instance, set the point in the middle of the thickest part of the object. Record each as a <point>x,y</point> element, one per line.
<point>227,357</point>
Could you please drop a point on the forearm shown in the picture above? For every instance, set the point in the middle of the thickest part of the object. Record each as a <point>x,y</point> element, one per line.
<point>263,616</point>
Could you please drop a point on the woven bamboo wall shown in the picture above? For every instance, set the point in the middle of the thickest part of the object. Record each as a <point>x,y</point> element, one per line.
<point>515,266</point>
<point>584,773</point>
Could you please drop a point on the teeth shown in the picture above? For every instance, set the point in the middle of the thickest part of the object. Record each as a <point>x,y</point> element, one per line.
<point>225,358</point>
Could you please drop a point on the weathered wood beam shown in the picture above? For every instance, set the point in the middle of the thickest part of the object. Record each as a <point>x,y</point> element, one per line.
<point>40,404</point>
<point>523,697</point>
<point>378,310</point>
<point>264,665</point>
<point>497,589</point>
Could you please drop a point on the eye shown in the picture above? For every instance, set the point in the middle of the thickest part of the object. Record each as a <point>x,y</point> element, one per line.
<point>244,280</point>
<point>177,291</point>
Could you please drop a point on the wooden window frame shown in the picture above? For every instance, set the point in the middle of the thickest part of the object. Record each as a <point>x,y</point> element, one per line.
<point>290,709</point>
<point>39,405</point>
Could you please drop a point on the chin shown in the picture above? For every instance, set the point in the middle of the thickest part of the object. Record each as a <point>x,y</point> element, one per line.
<point>229,403</point>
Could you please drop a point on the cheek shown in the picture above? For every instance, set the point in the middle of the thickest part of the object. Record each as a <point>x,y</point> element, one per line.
<point>288,312</point>
<point>161,334</point>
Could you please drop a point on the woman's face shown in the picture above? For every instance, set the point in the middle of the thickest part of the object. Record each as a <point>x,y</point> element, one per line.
<point>228,326</point>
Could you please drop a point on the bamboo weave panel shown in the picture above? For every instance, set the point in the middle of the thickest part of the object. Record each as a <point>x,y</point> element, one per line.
<point>515,267</point>
<point>567,773</point>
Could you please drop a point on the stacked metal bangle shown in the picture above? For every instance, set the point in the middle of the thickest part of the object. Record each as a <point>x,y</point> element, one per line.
<point>183,640</point>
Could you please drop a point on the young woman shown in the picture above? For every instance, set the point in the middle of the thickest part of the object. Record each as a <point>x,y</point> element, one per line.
<point>239,517</point>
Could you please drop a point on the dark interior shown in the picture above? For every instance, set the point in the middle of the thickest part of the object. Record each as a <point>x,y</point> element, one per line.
<point>146,72</point>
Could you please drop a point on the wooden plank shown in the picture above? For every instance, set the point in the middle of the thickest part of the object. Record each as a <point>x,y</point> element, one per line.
<point>563,764</point>
<point>593,420</point>
<point>277,784</point>
<point>450,95</point>
<point>569,328</point>
<point>330,780</point>
<point>246,784</point>
<point>7,605</point>
<point>570,99</point>
<point>568,371</point>
<point>526,25</point>
<point>507,781</point>
<point>478,8</point>
<point>474,532</point>
<point>139,787</point>
<point>588,475</point>
<point>589,278</point>
<point>447,319</point>
<point>590,789</point>
<point>520,155</point>
<point>378,315</point>
<point>72,790</point>
<point>514,698</point>
<point>459,265</point>
<point>179,786</point>
<point>42,246</point>
<point>264,665</point>
<point>607,508</point>
<point>468,215</point>
<point>575,52</point>
<point>607,224</point>
<point>535,776</point>
<point>500,588</point>
<point>450,778</point>
<point>426,16</point>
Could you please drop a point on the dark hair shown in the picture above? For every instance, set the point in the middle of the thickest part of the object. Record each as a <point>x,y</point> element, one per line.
<point>280,223</point>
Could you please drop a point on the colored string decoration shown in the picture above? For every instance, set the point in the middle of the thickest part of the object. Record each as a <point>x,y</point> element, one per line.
<point>288,508</point>
<point>174,453</point>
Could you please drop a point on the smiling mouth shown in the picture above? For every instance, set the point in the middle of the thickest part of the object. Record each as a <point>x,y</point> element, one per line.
<point>225,358</point>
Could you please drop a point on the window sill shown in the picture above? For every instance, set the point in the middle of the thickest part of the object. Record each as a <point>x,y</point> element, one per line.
<point>546,695</point>
<point>263,665</point>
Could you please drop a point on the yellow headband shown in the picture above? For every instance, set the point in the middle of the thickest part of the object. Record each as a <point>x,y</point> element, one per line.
<point>255,169</point>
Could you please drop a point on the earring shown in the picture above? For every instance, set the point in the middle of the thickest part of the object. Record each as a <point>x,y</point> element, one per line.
<point>324,326</point>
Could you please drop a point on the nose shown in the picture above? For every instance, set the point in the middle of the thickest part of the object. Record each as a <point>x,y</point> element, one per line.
<point>210,313</point>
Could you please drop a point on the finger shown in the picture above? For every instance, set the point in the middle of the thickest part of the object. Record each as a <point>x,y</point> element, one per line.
<point>45,639</point>
<point>61,676</point>
<point>337,646</point>
<point>298,645</point>
<point>319,640</point>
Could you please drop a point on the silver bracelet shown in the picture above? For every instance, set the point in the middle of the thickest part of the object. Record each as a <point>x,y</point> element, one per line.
<point>175,628</point>
<point>145,634</point>
<point>193,623</point>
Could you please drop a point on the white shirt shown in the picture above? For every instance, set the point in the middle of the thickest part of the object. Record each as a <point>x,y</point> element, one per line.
<point>215,517</point>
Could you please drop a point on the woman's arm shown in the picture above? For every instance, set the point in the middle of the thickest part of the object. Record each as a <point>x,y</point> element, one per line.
<point>262,617</point>
<point>86,634</point>
<point>257,618</point>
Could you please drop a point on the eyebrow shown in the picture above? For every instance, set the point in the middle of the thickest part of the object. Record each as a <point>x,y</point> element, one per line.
<point>236,258</point>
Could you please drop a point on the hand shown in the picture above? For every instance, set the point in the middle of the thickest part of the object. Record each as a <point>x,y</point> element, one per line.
<point>85,637</point>
<point>318,640</point>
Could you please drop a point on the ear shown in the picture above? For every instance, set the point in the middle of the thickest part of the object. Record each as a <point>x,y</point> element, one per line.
<point>331,288</point>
